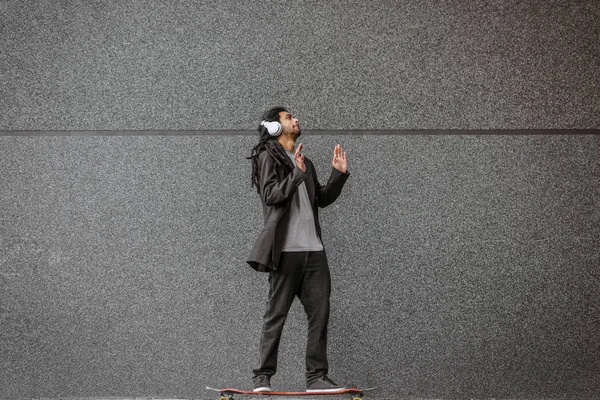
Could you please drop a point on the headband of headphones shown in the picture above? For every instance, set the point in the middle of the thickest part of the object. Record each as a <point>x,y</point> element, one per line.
<point>273,127</point>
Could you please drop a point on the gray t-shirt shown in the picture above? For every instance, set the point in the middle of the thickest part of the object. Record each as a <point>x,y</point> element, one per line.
<point>301,233</point>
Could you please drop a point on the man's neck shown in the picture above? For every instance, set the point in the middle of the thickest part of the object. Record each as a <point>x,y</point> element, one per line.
<point>287,143</point>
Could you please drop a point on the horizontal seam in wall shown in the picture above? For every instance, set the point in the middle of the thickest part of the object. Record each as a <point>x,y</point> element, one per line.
<point>398,132</point>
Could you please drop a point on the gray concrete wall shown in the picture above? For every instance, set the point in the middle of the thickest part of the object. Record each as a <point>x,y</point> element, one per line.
<point>407,64</point>
<point>463,265</point>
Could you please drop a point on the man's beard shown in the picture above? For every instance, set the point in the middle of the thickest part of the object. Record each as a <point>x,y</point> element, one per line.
<point>293,135</point>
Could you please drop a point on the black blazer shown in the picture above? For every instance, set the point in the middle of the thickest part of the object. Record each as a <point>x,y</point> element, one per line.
<point>276,195</point>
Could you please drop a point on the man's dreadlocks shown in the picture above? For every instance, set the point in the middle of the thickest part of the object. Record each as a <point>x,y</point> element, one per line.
<point>283,164</point>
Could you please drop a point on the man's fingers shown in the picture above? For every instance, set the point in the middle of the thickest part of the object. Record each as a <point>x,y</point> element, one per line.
<point>299,156</point>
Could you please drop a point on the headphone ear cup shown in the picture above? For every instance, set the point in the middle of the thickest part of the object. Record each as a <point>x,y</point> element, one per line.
<point>273,127</point>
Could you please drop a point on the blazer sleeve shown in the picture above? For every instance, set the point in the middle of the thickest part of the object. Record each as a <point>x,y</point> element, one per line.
<point>328,193</point>
<point>273,191</point>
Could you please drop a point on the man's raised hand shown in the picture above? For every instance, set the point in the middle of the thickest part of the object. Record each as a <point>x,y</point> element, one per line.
<point>300,158</point>
<point>340,162</point>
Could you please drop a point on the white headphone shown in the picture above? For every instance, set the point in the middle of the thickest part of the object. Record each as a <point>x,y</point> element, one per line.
<point>273,127</point>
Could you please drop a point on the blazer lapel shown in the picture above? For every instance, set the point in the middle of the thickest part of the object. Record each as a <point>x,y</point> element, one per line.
<point>310,185</point>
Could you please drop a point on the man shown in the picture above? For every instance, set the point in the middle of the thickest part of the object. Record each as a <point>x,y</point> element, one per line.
<point>289,246</point>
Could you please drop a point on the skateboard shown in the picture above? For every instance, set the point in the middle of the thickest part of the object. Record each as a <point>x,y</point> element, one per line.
<point>228,393</point>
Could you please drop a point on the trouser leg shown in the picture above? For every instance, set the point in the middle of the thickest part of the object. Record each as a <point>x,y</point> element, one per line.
<point>283,287</point>
<point>314,295</point>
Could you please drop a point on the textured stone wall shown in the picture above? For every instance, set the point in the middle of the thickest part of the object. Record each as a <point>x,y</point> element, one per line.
<point>203,65</point>
<point>462,266</point>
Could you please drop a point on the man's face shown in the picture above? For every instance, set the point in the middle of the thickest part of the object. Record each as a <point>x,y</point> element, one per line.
<point>290,125</point>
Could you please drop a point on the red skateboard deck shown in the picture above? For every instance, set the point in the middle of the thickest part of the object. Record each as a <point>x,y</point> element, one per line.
<point>227,393</point>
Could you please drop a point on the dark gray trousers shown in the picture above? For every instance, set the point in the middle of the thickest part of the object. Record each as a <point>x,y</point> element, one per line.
<point>305,275</point>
